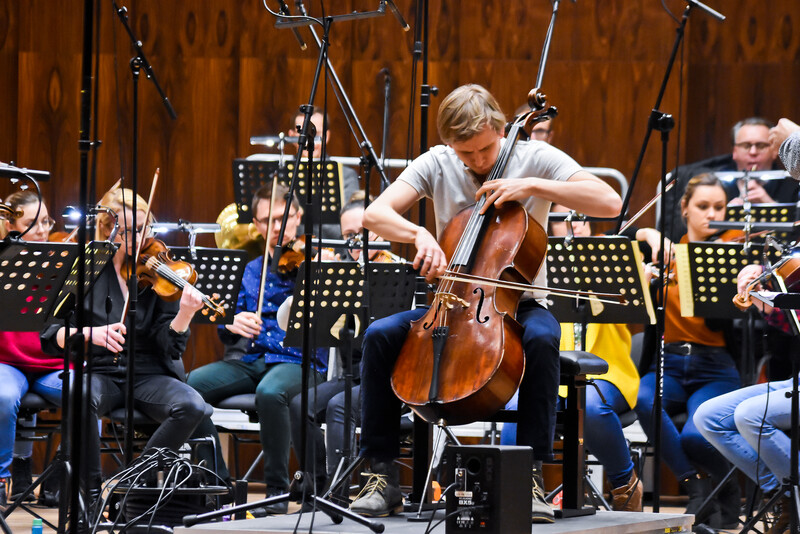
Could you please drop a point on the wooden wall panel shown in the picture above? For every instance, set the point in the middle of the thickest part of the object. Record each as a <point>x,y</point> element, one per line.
<point>231,74</point>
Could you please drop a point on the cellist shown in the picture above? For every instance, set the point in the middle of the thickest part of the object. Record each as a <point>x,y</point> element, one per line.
<point>471,124</point>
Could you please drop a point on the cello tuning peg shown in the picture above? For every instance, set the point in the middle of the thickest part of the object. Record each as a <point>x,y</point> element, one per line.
<point>536,100</point>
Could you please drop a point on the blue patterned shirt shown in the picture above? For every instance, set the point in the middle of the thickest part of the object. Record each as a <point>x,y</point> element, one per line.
<point>269,343</point>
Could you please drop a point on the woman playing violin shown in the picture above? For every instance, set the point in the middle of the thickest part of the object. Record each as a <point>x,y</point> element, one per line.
<point>23,365</point>
<point>162,329</point>
<point>255,359</point>
<point>697,366</point>
<point>471,123</point>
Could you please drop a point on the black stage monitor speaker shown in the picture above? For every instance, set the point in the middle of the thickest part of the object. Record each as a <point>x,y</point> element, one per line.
<point>493,489</point>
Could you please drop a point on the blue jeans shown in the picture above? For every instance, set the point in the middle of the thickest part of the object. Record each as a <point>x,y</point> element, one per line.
<point>689,381</point>
<point>733,424</point>
<point>15,384</point>
<point>602,431</point>
<point>538,392</point>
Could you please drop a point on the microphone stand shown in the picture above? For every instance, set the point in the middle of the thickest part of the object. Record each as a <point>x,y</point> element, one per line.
<point>664,123</point>
<point>137,63</point>
<point>301,487</point>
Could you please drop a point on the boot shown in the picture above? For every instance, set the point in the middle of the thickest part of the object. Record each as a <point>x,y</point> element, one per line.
<point>381,495</point>
<point>698,490</point>
<point>729,501</point>
<point>540,510</point>
<point>3,498</point>
<point>783,516</point>
<point>628,498</point>
<point>21,478</point>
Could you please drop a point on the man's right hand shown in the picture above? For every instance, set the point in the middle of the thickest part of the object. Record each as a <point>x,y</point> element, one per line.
<point>246,324</point>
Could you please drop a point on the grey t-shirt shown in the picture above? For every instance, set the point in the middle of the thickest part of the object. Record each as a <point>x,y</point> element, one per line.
<point>790,154</point>
<point>441,176</point>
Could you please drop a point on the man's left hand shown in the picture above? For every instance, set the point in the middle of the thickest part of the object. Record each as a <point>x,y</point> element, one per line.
<point>503,190</point>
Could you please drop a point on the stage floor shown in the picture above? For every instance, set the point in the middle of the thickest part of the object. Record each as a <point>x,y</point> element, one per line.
<point>600,523</point>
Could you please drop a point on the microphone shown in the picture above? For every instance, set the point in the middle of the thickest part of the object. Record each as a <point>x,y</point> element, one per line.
<point>275,140</point>
<point>397,15</point>
<point>285,11</point>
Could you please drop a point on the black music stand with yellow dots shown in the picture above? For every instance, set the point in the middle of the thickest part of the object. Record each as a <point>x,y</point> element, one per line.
<point>250,175</point>
<point>219,272</point>
<point>98,254</point>
<point>607,264</point>
<point>782,214</point>
<point>343,305</point>
<point>31,276</point>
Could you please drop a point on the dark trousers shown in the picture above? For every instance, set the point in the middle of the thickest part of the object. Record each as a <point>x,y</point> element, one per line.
<point>326,403</point>
<point>165,399</point>
<point>538,392</point>
<point>274,385</point>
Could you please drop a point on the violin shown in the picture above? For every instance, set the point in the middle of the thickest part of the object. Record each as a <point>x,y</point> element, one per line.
<point>293,254</point>
<point>788,269</point>
<point>157,268</point>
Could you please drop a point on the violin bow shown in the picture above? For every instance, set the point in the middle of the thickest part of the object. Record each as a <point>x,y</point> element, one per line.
<point>263,281</point>
<point>140,239</point>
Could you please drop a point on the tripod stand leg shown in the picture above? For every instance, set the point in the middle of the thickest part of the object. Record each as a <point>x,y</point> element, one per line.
<point>339,479</point>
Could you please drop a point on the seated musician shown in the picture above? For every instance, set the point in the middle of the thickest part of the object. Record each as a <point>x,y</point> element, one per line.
<point>749,426</point>
<point>750,150</point>
<point>255,360</point>
<point>614,394</point>
<point>348,178</point>
<point>162,329</point>
<point>471,123</point>
<point>697,366</point>
<point>327,401</point>
<point>23,365</point>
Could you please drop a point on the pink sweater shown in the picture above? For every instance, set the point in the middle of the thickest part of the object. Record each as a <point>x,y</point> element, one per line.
<point>23,350</point>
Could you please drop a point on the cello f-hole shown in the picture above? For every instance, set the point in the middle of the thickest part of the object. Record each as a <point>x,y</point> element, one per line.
<point>480,306</point>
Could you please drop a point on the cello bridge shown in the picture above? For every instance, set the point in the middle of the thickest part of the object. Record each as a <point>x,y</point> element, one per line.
<point>450,301</point>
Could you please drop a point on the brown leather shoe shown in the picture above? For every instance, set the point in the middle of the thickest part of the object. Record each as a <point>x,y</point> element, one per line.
<point>628,498</point>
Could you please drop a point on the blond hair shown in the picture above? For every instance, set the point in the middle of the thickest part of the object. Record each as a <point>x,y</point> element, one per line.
<point>118,199</point>
<point>466,111</point>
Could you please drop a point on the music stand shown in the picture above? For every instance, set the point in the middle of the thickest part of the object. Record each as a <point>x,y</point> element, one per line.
<point>707,272</point>
<point>765,213</point>
<point>605,264</point>
<point>250,175</point>
<point>31,274</point>
<point>391,290</point>
<point>219,271</point>
<point>35,277</point>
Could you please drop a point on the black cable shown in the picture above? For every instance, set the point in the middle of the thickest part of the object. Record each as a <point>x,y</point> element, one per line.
<point>428,527</point>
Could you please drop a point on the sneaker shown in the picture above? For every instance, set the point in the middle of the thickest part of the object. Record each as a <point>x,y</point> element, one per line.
<point>628,498</point>
<point>381,495</point>
<point>21,478</point>
<point>541,512</point>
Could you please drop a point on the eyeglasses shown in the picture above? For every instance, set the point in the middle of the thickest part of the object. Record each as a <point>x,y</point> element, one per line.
<point>45,224</point>
<point>541,133</point>
<point>760,147</point>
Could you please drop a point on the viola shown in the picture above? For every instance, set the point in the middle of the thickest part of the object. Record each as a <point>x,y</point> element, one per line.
<point>168,277</point>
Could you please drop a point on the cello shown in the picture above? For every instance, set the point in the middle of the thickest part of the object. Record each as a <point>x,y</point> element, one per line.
<point>463,360</point>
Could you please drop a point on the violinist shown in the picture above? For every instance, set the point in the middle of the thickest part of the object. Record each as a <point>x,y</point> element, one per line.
<point>750,426</point>
<point>785,138</point>
<point>697,366</point>
<point>471,124</point>
<point>327,402</point>
<point>23,365</point>
<point>255,359</point>
<point>162,330</point>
